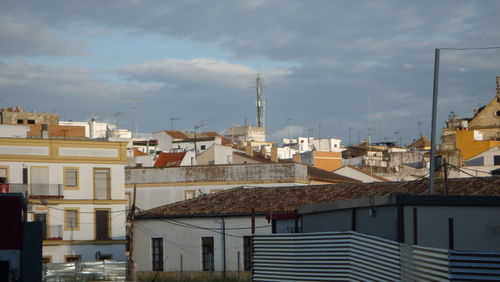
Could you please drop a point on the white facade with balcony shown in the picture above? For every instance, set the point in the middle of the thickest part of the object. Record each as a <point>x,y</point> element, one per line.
<point>76,188</point>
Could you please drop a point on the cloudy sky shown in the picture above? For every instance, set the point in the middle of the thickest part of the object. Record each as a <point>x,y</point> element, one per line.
<point>321,63</point>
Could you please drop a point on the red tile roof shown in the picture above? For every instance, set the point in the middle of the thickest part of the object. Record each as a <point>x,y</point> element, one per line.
<point>169,159</point>
<point>241,201</point>
<point>176,134</point>
<point>138,152</point>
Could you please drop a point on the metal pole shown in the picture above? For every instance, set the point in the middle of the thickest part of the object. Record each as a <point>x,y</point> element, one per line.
<point>434,117</point>
<point>182,279</point>
<point>238,265</point>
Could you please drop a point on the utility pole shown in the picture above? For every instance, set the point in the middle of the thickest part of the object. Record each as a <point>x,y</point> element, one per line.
<point>130,236</point>
<point>260,102</point>
<point>434,118</point>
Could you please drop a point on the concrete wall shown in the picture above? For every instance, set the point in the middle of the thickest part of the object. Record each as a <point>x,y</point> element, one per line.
<point>475,228</point>
<point>184,241</point>
<point>223,173</point>
<point>18,131</point>
<point>327,221</point>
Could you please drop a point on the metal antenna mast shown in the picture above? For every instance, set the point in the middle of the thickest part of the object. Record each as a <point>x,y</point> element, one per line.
<point>260,102</point>
<point>172,119</point>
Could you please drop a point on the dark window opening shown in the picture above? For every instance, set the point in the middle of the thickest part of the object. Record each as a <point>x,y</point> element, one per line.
<point>157,244</point>
<point>31,121</point>
<point>207,250</point>
<point>496,160</point>
<point>25,175</point>
<point>41,217</point>
<point>247,253</point>
<point>20,121</point>
<point>102,225</point>
<point>202,147</point>
<point>73,258</point>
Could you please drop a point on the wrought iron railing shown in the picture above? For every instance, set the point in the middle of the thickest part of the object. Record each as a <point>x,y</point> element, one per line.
<point>36,190</point>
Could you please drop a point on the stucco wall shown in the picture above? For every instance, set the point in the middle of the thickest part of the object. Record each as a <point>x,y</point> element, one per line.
<point>178,240</point>
<point>475,228</point>
<point>223,173</point>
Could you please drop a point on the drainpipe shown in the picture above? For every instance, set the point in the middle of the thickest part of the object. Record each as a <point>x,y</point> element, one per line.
<point>223,228</point>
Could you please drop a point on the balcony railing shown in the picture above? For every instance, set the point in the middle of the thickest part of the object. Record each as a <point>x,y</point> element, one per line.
<point>53,232</point>
<point>35,190</point>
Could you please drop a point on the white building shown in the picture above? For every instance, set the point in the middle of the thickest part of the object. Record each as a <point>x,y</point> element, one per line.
<point>75,188</point>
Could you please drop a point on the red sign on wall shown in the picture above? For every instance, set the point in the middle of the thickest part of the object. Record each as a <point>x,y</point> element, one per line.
<point>4,188</point>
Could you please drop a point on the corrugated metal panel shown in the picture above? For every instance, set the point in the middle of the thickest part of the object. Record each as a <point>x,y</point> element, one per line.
<point>474,266</point>
<point>351,256</point>
<point>325,257</point>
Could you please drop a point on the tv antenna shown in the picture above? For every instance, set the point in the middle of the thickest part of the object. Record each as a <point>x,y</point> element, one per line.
<point>172,119</point>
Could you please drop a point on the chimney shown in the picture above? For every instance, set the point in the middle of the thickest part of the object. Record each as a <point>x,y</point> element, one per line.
<point>263,150</point>
<point>45,131</point>
<point>249,149</point>
<point>274,153</point>
<point>296,158</point>
<point>498,88</point>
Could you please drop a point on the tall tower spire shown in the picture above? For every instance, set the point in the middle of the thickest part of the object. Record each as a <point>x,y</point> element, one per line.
<point>260,102</point>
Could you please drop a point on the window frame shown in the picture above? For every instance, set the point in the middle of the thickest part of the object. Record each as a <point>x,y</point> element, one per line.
<point>7,176</point>
<point>187,192</point>
<point>65,182</point>
<point>66,227</point>
<point>247,253</point>
<point>157,264</point>
<point>207,266</point>
<point>109,223</point>
<point>108,192</point>
<point>78,258</point>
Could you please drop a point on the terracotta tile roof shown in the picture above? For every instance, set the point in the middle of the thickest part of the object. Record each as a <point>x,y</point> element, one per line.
<point>169,159</point>
<point>421,142</point>
<point>314,173</point>
<point>176,134</point>
<point>138,152</point>
<point>224,140</point>
<point>240,201</point>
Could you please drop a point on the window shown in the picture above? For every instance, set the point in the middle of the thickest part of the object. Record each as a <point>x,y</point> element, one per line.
<point>4,175</point>
<point>202,147</point>
<point>31,121</point>
<point>71,219</point>
<point>207,250</point>
<point>496,160</point>
<point>70,178</point>
<point>46,259</point>
<point>72,258</point>
<point>189,194</point>
<point>157,251</point>
<point>20,121</point>
<point>247,253</point>
<point>102,187</point>
<point>102,225</point>
<point>42,217</point>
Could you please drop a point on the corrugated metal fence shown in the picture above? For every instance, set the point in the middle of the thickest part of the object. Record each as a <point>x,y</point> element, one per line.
<point>351,256</point>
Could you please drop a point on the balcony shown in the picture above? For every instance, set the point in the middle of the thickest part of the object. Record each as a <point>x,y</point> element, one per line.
<point>35,191</point>
<point>52,232</point>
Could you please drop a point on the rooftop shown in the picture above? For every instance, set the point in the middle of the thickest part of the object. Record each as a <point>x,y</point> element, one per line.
<point>241,201</point>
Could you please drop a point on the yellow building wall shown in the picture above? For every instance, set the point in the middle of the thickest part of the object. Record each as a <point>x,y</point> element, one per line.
<point>327,160</point>
<point>469,147</point>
